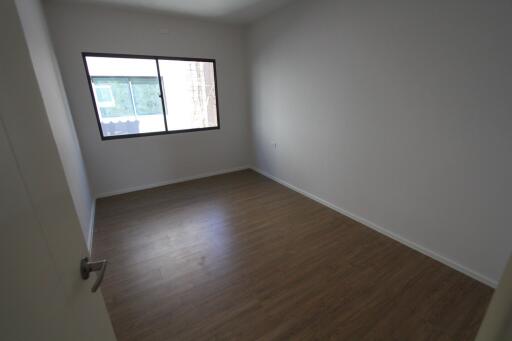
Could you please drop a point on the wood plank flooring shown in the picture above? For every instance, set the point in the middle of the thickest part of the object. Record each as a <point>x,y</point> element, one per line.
<point>240,257</point>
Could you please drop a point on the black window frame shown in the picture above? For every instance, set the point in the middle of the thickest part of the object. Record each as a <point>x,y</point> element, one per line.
<point>156,58</point>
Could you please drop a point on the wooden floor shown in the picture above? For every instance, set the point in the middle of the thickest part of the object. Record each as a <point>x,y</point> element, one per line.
<point>240,257</point>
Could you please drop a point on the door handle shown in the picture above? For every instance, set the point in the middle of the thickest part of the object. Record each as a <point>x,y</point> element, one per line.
<point>87,267</point>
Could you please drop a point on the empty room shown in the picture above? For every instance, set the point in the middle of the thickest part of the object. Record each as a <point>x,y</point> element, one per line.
<point>256,170</point>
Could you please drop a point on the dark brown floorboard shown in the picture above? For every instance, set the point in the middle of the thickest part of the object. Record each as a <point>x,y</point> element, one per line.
<point>238,256</point>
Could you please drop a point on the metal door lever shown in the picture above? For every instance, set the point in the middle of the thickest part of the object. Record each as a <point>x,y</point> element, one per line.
<point>87,267</point>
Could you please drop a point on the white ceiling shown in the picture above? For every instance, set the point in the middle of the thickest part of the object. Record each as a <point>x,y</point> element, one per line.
<point>240,11</point>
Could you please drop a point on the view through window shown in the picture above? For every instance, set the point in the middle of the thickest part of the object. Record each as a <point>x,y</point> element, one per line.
<point>139,95</point>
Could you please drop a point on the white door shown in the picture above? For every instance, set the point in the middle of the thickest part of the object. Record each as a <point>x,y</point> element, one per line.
<point>42,296</point>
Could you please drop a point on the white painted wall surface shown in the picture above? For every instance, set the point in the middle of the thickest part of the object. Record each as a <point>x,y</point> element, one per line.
<point>120,165</point>
<point>399,112</point>
<point>57,108</point>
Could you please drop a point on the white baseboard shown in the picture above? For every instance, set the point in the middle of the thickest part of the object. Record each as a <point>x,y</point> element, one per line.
<point>91,226</point>
<point>432,254</point>
<point>170,182</point>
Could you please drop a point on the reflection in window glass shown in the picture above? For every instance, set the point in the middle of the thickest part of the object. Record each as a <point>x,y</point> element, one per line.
<point>127,95</point>
<point>104,96</point>
<point>189,94</point>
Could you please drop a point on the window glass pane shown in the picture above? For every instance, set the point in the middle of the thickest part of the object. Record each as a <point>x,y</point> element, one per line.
<point>126,92</point>
<point>189,94</point>
<point>119,104</point>
<point>146,95</point>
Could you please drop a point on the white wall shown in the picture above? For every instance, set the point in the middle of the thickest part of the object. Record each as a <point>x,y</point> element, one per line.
<point>398,112</point>
<point>121,165</point>
<point>57,108</point>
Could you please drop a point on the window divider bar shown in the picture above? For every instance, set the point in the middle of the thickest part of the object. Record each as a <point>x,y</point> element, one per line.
<point>164,109</point>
